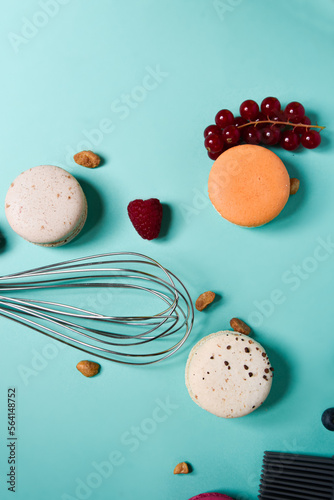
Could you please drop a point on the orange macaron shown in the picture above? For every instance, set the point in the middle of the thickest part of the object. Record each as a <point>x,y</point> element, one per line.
<point>249,185</point>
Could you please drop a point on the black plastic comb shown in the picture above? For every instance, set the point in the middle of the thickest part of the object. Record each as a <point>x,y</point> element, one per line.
<point>286,476</point>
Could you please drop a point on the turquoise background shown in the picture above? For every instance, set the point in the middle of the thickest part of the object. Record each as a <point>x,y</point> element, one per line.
<point>56,88</point>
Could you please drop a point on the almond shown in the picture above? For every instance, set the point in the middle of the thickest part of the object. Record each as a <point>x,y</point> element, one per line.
<point>87,159</point>
<point>294,185</point>
<point>182,468</point>
<point>204,300</point>
<point>240,326</point>
<point>88,368</point>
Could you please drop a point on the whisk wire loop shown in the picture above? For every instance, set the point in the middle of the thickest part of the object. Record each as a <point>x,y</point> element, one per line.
<point>122,337</point>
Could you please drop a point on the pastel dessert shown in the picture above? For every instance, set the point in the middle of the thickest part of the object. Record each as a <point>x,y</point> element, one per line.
<point>211,496</point>
<point>46,206</point>
<point>249,185</point>
<point>228,374</point>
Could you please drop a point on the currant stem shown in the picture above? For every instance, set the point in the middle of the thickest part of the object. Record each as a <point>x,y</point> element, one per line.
<point>280,123</point>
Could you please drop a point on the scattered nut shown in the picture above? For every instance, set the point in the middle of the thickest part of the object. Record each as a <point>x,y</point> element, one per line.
<point>294,185</point>
<point>87,159</point>
<point>88,368</point>
<point>182,468</point>
<point>240,326</point>
<point>204,300</point>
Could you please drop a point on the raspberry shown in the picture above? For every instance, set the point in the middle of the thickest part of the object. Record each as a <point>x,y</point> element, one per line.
<point>146,217</point>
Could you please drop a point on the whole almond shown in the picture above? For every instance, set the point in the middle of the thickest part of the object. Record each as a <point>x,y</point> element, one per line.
<point>240,326</point>
<point>88,368</point>
<point>182,468</point>
<point>87,159</point>
<point>204,300</point>
<point>294,185</point>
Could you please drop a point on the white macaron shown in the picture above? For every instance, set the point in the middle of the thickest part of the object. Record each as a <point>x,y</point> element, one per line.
<point>46,206</point>
<point>228,374</point>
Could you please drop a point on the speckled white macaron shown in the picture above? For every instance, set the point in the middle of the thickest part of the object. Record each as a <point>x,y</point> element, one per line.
<point>228,374</point>
<point>46,206</point>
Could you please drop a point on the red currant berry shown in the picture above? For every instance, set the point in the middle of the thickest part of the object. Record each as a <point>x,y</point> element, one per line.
<point>231,135</point>
<point>214,156</point>
<point>270,136</point>
<point>224,117</point>
<point>294,110</point>
<point>304,121</point>
<point>270,104</point>
<point>260,118</point>
<point>311,139</point>
<point>278,116</point>
<point>252,135</point>
<point>290,140</point>
<point>214,143</point>
<point>294,120</point>
<point>249,109</point>
<point>212,129</point>
<point>239,120</point>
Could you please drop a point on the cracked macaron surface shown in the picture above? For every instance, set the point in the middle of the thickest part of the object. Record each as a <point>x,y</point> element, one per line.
<point>228,374</point>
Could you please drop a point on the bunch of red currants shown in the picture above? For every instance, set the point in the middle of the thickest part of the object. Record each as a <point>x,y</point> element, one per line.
<point>268,125</point>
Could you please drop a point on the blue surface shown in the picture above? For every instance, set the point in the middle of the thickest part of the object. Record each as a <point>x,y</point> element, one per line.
<point>61,84</point>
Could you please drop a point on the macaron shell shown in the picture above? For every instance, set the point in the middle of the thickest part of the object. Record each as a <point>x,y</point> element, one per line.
<point>228,374</point>
<point>211,496</point>
<point>249,185</point>
<point>46,206</point>
<point>71,235</point>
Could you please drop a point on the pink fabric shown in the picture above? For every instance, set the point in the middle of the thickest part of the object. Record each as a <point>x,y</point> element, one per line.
<point>211,496</point>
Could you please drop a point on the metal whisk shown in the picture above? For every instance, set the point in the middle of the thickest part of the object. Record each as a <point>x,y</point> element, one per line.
<point>126,339</point>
